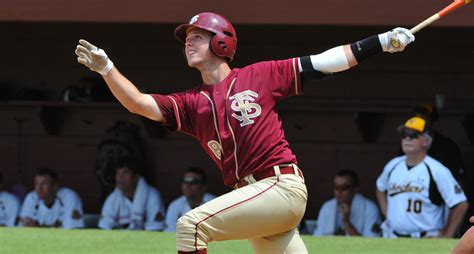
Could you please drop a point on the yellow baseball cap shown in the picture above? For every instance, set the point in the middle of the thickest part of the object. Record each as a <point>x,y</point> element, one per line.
<point>415,123</point>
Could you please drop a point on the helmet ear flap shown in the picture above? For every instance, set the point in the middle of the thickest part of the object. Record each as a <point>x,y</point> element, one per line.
<point>223,46</point>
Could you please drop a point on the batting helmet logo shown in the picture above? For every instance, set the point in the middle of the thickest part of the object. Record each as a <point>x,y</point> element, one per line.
<point>193,19</point>
<point>224,39</point>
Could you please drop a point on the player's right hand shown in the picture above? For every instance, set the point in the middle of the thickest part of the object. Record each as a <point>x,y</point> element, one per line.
<point>396,40</point>
<point>93,57</point>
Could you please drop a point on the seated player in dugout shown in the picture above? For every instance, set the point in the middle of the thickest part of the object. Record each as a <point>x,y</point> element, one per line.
<point>133,204</point>
<point>9,207</point>
<point>193,187</point>
<point>50,205</point>
<point>233,116</point>
<point>348,213</point>
<point>414,189</point>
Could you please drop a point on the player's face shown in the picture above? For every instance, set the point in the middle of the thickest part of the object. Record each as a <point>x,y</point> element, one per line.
<point>192,186</point>
<point>413,142</point>
<point>343,190</point>
<point>197,47</point>
<point>125,179</point>
<point>45,187</point>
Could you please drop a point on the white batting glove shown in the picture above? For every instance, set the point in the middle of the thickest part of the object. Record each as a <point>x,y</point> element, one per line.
<point>93,57</point>
<point>396,40</point>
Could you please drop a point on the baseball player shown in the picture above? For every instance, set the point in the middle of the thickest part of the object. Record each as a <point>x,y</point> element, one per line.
<point>466,243</point>
<point>50,205</point>
<point>9,206</point>
<point>194,188</point>
<point>133,204</point>
<point>233,116</point>
<point>413,189</point>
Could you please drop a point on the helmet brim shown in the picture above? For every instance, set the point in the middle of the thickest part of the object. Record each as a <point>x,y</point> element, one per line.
<point>180,32</point>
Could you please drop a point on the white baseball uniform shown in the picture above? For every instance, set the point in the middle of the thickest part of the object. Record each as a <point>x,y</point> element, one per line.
<point>145,211</point>
<point>416,196</point>
<point>365,217</point>
<point>9,208</point>
<point>178,208</point>
<point>66,210</point>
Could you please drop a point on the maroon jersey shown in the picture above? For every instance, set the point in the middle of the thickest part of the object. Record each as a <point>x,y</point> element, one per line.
<point>236,121</point>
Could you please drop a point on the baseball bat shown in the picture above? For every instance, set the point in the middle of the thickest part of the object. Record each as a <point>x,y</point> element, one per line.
<point>453,6</point>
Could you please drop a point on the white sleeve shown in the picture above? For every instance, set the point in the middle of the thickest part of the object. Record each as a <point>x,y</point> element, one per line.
<point>28,209</point>
<point>107,217</point>
<point>448,187</point>
<point>155,211</point>
<point>382,180</point>
<point>371,221</point>
<point>330,61</point>
<point>73,216</point>
<point>322,217</point>
<point>12,209</point>
<point>172,216</point>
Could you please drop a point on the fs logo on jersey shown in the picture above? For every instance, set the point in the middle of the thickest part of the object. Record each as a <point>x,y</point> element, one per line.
<point>194,19</point>
<point>242,103</point>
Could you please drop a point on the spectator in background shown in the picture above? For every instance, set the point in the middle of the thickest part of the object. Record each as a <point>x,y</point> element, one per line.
<point>9,207</point>
<point>413,189</point>
<point>133,204</point>
<point>50,205</point>
<point>194,188</point>
<point>442,148</point>
<point>349,213</point>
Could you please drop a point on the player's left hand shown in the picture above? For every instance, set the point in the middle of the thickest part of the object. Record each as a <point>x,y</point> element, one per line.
<point>396,40</point>
<point>93,57</point>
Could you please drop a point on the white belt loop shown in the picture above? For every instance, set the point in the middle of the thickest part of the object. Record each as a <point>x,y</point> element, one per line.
<point>250,179</point>
<point>295,169</point>
<point>276,168</point>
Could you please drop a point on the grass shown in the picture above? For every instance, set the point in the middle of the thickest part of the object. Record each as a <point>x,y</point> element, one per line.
<point>30,240</point>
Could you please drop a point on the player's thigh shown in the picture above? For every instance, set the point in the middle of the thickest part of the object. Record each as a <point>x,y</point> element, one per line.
<point>261,209</point>
<point>284,243</point>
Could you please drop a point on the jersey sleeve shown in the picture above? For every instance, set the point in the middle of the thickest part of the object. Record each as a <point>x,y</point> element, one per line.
<point>172,216</point>
<point>382,180</point>
<point>155,211</point>
<point>73,213</point>
<point>107,217</point>
<point>176,111</point>
<point>449,188</point>
<point>281,77</point>
<point>28,209</point>
<point>12,210</point>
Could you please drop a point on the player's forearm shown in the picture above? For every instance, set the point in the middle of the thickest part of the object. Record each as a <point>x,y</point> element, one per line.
<point>456,215</point>
<point>341,58</point>
<point>124,90</point>
<point>382,200</point>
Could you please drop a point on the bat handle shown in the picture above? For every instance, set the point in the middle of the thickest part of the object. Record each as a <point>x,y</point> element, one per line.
<point>396,43</point>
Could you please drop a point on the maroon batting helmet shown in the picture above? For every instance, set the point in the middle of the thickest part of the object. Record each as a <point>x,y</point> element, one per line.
<point>224,39</point>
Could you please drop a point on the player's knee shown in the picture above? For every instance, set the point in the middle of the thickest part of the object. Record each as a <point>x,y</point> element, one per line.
<point>189,233</point>
<point>186,224</point>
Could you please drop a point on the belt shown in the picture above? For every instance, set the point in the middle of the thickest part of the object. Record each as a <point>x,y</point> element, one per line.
<point>277,170</point>
<point>422,234</point>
